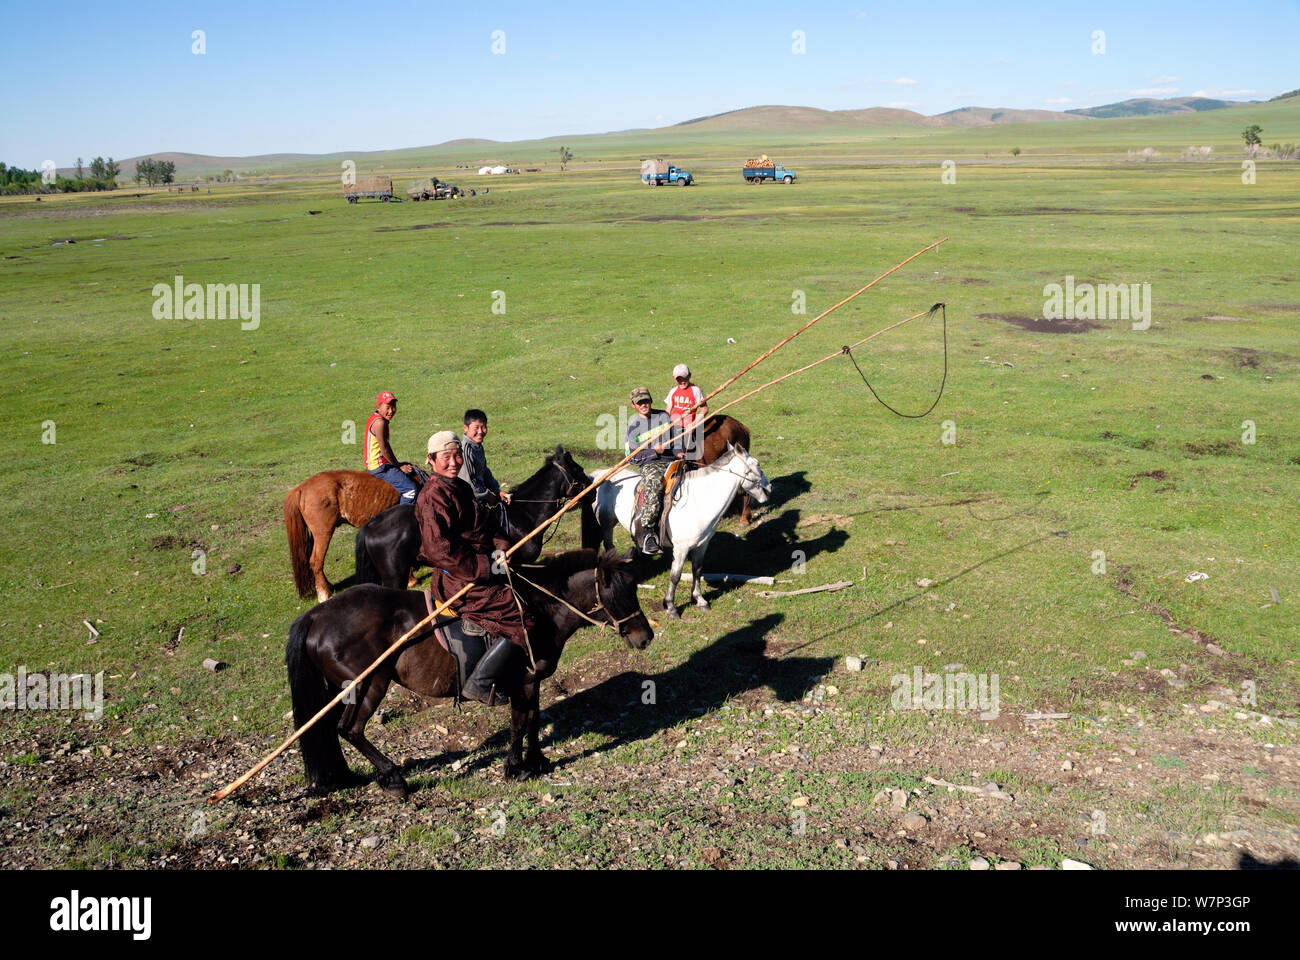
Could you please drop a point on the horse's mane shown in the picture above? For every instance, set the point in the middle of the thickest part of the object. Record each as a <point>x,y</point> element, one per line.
<point>539,477</point>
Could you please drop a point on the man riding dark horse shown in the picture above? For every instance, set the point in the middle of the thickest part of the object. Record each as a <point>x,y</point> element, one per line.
<point>458,535</point>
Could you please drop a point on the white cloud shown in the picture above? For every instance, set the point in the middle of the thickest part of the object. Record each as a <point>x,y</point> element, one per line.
<point>659,116</point>
<point>1167,79</point>
<point>1154,92</point>
<point>905,81</point>
<point>901,104</point>
<point>1224,93</point>
<point>1057,100</point>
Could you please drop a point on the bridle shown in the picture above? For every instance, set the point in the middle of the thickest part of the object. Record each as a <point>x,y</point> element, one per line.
<point>572,487</point>
<point>615,622</point>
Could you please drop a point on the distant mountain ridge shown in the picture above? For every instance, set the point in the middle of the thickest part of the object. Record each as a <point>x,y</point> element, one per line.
<point>801,118</point>
<point>1148,106</point>
<point>880,123</point>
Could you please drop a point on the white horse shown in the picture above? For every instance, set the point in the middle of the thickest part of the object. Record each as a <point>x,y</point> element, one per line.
<point>699,504</point>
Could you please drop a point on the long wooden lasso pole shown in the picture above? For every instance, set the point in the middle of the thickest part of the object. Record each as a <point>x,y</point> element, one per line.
<point>445,604</point>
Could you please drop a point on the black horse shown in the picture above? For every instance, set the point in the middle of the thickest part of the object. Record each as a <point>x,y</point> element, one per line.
<point>336,640</point>
<point>388,546</point>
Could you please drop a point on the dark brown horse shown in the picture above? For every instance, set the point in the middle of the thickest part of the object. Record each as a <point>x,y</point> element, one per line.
<point>717,432</point>
<point>335,641</point>
<point>316,507</point>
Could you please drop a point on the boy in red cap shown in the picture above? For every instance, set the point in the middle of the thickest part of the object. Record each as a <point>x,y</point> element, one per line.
<point>684,396</point>
<point>381,462</point>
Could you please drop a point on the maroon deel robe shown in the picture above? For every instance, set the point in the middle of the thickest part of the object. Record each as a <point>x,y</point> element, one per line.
<point>457,537</point>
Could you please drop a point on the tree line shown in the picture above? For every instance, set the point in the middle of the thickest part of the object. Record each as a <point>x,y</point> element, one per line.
<point>154,172</point>
<point>103,176</point>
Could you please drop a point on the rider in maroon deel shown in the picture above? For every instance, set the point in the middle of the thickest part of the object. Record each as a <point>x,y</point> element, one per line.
<point>457,537</point>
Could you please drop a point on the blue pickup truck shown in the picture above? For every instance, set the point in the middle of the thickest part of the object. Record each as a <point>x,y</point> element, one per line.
<point>656,172</point>
<point>758,171</point>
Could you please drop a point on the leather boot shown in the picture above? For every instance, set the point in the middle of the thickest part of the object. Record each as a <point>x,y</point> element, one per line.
<point>497,671</point>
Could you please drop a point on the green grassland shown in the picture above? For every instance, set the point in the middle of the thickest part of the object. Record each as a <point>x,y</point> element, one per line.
<point>181,435</point>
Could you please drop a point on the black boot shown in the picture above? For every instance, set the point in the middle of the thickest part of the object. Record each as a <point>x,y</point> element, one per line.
<point>650,545</point>
<point>496,673</point>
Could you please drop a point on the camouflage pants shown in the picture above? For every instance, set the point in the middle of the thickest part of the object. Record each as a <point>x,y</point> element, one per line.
<point>652,478</point>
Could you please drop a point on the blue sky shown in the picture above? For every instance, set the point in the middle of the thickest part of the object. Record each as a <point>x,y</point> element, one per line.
<point>331,77</point>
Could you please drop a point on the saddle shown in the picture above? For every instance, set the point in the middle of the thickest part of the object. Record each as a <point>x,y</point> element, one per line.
<point>672,480</point>
<point>465,640</point>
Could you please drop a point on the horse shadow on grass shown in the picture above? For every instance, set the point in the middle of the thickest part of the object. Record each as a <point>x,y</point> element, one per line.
<point>734,664</point>
<point>765,549</point>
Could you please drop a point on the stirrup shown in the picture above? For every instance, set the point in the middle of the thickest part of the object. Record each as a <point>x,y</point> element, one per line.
<point>650,544</point>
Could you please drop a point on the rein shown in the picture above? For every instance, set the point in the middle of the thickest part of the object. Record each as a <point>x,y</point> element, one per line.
<point>600,604</point>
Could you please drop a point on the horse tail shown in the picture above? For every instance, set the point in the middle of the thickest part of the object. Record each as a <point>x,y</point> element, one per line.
<point>321,754</point>
<point>300,544</point>
<point>592,537</point>
<point>367,572</point>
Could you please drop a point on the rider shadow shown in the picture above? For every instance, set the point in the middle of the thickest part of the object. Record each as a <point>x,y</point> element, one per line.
<point>769,550</point>
<point>736,663</point>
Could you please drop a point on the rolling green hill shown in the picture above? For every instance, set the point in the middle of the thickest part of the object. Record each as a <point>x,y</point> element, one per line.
<point>802,135</point>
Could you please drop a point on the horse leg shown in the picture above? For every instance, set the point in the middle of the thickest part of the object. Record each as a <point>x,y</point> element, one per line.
<point>536,762</point>
<point>679,561</point>
<point>352,727</point>
<point>744,507</point>
<point>320,543</point>
<point>697,579</point>
<point>515,769</point>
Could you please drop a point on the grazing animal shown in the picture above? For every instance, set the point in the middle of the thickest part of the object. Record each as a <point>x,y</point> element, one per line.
<point>700,502</point>
<point>315,508</point>
<point>719,431</point>
<point>335,641</point>
<point>388,547</point>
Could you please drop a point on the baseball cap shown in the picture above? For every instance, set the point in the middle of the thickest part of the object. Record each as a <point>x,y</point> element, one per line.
<point>385,397</point>
<point>441,440</point>
<point>640,393</point>
<point>681,370</point>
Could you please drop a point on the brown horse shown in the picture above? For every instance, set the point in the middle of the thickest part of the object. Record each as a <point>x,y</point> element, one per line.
<point>315,508</point>
<point>718,431</point>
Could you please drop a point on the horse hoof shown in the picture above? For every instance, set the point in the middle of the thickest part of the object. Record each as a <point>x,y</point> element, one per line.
<point>702,603</point>
<point>674,613</point>
<point>396,789</point>
<point>536,766</point>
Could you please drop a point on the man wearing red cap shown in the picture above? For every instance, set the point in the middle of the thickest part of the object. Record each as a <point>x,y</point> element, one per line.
<point>380,459</point>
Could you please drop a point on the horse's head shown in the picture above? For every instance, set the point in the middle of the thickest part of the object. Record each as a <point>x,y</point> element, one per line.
<point>752,478</point>
<point>616,590</point>
<point>564,462</point>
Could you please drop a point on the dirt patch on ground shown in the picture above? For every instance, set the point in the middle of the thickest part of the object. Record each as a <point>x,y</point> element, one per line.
<point>1158,475</point>
<point>1039,325</point>
<point>416,226</point>
<point>1216,318</point>
<point>1220,448</point>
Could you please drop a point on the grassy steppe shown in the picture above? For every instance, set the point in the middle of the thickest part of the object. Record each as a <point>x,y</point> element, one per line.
<point>183,435</point>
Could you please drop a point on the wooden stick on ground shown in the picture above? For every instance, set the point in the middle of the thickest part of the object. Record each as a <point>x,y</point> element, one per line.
<point>824,588</point>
